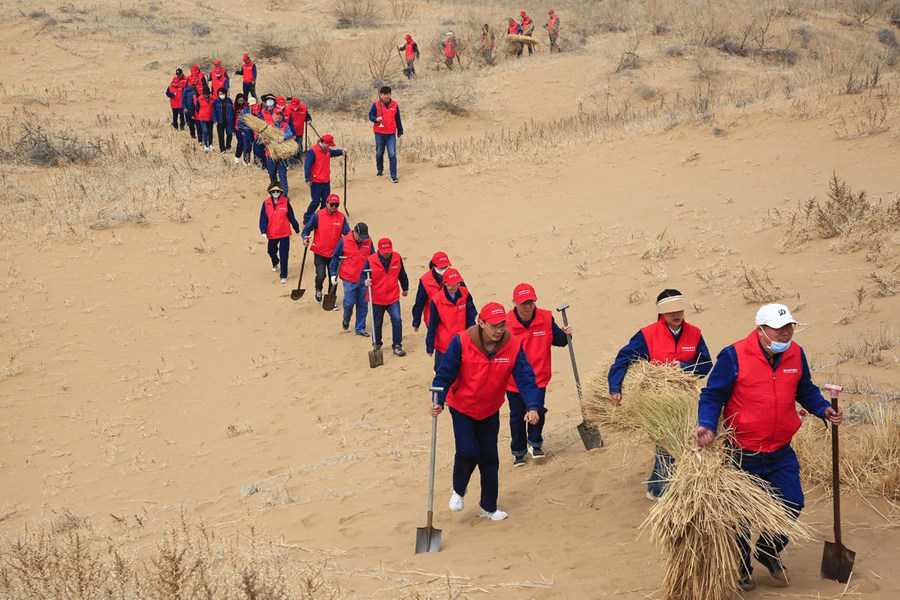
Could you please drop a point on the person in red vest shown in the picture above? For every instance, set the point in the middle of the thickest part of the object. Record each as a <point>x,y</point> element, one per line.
<point>174,93</point>
<point>204,117</point>
<point>514,28</point>
<point>476,368</point>
<point>276,219</point>
<point>389,281</point>
<point>218,78</point>
<point>247,71</point>
<point>488,43</point>
<point>197,80</point>
<point>297,115</point>
<point>385,115</point>
<point>755,386</point>
<point>410,51</point>
<point>429,284</point>
<point>452,310</point>
<point>552,27</point>
<point>448,50</point>
<point>330,225</point>
<point>527,26</point>
<point>317,170</point>
<point>538,332</point>
<point>669,340</point>
<point>277,167</point>
<point>355,248</point>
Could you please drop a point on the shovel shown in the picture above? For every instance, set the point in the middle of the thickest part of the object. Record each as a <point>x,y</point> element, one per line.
<point>837,560</point>
<point>331,297</point>
<point>376,357</point>
<point>428,539</point>
<point>298,293</point>
<point>590,435</point>
<point>346,212</point>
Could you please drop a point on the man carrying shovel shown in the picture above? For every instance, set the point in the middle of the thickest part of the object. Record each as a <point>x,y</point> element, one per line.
<point>355,247</point>
<point>330,225</point>
<point>388,279</point>
<point>756,382</point>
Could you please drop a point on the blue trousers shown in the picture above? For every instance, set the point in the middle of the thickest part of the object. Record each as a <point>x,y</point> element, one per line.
<point>393,311</point>
<point>519,430</point>
<point>663,465</point>
<point>244,144</point>
<point>355,295</point>
<point>205,136</point>
<point>389,141</point>
<point>279,248</point>
<point>279,167</point>
<point>318,192</point>
<point>476,446</point>
<point>250,89</point>
<point>782,471</point>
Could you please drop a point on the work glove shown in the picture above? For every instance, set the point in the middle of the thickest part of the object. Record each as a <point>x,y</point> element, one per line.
<point>334,280</point>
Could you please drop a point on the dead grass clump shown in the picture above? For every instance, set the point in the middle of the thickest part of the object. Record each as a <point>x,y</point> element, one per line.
<point>329,80</point>
<point>756,284</point>
<point>661,248</point>
<point>886,284</point>
<point>863,11</point>
<point>37,145</point>
<point>269,47</point>
<point>355,13</point>
<point>199,29</point>
<point>855,84</point>
<point>869,347</point>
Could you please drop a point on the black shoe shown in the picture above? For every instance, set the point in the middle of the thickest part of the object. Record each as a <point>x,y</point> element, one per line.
<point>318,295</point>
<point>394,180</point>
<point>773,564</point>
<point>746,583</point>
<point>345,325</point>
<point>378,174</point>
<point>518,461</point>
<point>362,333</point>
<point>378,345</point>
<point>399,351</point>
<point>536,453</point>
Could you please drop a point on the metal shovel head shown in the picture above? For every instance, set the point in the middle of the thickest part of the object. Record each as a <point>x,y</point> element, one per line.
<point>297,294</point>
<point>428,539</point>
<point>590,436</point>
<point>837,562</point>
<point>328,300</point>
<point>376,358</point>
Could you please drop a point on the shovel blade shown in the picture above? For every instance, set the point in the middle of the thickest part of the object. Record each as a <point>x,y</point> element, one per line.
<point>376,358</point>
<point>590,436</point>
<point>837,562</point>
<point>428,539</point>
<point>328,301</point>
<point>297,294</point>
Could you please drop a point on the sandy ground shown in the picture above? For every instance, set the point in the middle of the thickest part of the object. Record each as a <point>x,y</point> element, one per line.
<point>153,372</point>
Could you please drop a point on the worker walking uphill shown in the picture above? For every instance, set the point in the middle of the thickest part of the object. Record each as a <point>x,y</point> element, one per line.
<point>247,71</point>
<point>452,310</point>
<point>297,115</point>
<point>755,386</point>
<point>476,368</point>
<point>197,79</point>
<point>488,43</point>
<point>385,114</point>
<point>355,248</point>
<point>538,332</point>
<point>527,26</point>
<point>410,51</point>
<point>327,225</point>
<point>276,219</point>
<point>317,170</point>
<point>388,279</point>
<point>552,27</point>
<point>429,284</point>
<point>448,49</point>
<point>203,113</point>
<point>218,78</point>
<point>223,117</point>
<point>174,93</point>
<point>189,108</point>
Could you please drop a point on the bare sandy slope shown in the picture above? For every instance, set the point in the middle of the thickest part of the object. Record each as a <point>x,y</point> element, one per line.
<point>154,372</point>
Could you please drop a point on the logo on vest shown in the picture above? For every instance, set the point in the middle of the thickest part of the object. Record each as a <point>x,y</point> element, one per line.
<point>538,333</point>
<point>689,348</point>
<point>502,359</point>
<point>790,371</point>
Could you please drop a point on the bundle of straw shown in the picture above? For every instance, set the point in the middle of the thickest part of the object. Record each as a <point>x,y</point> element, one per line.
<point>272,137</point>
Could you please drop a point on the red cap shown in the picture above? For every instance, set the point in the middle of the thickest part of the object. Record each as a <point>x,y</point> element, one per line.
<point>452,276</point>
<point>332,198</point>
<point>295,101</point>
<point>278,111</point>
<point>254,108</point>
<point>493,313</point>
<point>440,260</point>
<point>522,14</point>
<point>218,63</point>
<point>328,139</point>
<point>385,246</point>
<point>279,101</point>
<point>195,69</point>
<point>409,37</point>
<point>523,292</point>
<point>246,57</point>
<point>550,12</point>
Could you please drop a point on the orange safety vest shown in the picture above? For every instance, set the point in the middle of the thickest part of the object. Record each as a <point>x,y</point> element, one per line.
<point>321,168</point>
<point>449,50</point>
<point>410,50</point>
<point>247,71</point>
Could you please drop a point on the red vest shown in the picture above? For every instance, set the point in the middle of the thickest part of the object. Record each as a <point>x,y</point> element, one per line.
<point>247,69</point>
<point>513,28</point>
<point>410,50</point>
<point>295,117</point>
<point>388,116</point>
<point>279,226</point>
<point>451,316</point>
<point>217,83</point>
<point>527,26</point>
<point>478,389</point>
<point>449,50</point>
<point>321,168</point>
<point>204,109</point>
<point>662,346</point>
<point>356,255</point>
<point>432,287</point>
<point>328,231</point>
<point>282,127</point>
<point>385,283</point>
<point>536,341</point>
<point>552,24</point>
<point>266,115</point>
<point>177,88</point>
<point>196,81</point>
<point>762,407</point>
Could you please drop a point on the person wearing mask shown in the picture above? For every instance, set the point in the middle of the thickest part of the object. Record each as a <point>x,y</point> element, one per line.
<point>410,50</point>
<point>268,108</point>
<point>277,167</point>
<point>329,225</point>
<point>203,113</point>
<point>452,310</point>
<point>355,248</point>
<point>276,219</point>
<point>670,339</point>
<point>197,80</point>
<point>218,78</point>
<point>755,387</point>
<point>479,362</point>
<point>388,282</point>
<point>429,284</point>
<point>387,125</point>
<point>174,93</point>
<point>243,142</point>
<point>247,72</point>
<point>223,117</point>
<point>317,172</point>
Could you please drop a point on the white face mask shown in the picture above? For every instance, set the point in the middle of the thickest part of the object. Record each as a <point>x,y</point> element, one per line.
<point>440,271</point>
<point>276,194</point>
<point>270,103</point>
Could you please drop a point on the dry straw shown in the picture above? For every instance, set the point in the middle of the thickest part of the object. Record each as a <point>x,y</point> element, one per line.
<point>272,137</point>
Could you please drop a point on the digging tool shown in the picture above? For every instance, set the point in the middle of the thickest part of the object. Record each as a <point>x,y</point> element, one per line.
<point>376,356</point>
<point>428,539</point>
<point>405,67</point>
<point>298,293</point>
<point>837,560</point>
<point>330,298</point>
<point>305,137</point>
<point>313,127</point>
<point>590,435</point>
<point>346,212</point>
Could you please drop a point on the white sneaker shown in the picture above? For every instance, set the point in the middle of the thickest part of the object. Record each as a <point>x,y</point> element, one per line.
<point>283,280</point>
<point>650,496</point>
<point>497,515</point>
<point>237,161</point>
<point>457,503</point>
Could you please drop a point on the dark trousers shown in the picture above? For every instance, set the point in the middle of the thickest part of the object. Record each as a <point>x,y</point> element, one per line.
<point>476,446</point>
<point>386,141</point>
<point>297,158</point>
<point>224,133</point>
<point>323,269</point>
<point>243,144</point>
<point>782,471</point>
<point>522,433</point>
<point>393,311</point>
<point>279,248</point>
<point>663,465</point>
<point>250,90</point>
<point>177,115</point>
<point>318,192</point>
<point>410,69</point>
<point>259,151</point>
<point>194,129</point>
<point>205,136</point>
<point>277,168</point>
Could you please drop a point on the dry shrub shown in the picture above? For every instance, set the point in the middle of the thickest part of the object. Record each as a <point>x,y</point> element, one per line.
<point>756,284</point>
<point>355,13</point>
<point>37,145</point>
<point>329,80</point>
<point>270,46</point>
<point>452,94</point>
<point>661,248</point>
<point>403,9</point>
<point>870,347</point>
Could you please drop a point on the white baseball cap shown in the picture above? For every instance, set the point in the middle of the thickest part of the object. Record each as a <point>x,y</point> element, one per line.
<point>775,316</point>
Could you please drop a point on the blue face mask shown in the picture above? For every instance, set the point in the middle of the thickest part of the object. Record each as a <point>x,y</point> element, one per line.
<point>776,347</point>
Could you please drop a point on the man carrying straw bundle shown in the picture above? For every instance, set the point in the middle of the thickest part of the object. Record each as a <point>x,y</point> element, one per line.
<point>756,382</point>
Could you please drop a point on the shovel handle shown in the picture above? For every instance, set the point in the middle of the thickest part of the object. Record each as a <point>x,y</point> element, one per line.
<point>562,309</point>
<point>835,465</point>
<point>434,396</point>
